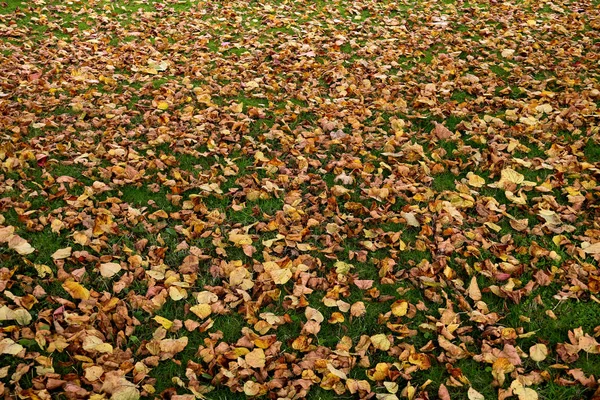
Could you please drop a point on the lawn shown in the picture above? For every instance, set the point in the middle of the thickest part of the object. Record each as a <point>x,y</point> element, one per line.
<point>299,199</point>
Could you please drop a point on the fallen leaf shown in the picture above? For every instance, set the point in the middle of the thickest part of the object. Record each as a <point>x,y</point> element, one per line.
<point>76,290</point>
<point>61,253</point>
<point>254,388</point>
<point>93,343</point>
<point>93,373</point>
<point>538,352</point>
<point>173,346</point>
<point>126,393</point>
<point>20,245</point>
<point>593,248</point>
<point>441,132</point>
<point>164,322</point>
<point>108,270</point>
<point>381,342</point>
<point>475,180</point>
<point>256,358</point>
<point>523,393</point>
<point>474,292</point>
<point>473,394</point>
<point>358,309</point>
<point>443,393</point>
<point>8,346</point>
<point>512,176</point>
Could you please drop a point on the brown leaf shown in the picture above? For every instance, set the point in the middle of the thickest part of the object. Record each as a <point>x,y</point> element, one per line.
<point>443,393</point>
<point>441,132</point>
<point>256,358</point>
<point>474,292</point>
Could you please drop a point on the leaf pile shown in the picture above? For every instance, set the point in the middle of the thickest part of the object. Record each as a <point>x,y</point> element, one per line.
<point>289,199</point>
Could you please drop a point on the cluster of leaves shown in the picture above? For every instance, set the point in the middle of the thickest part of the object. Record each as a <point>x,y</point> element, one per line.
<point>370,199</point>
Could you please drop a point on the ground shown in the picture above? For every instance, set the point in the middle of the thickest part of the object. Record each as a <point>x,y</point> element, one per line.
<point>290,199</point>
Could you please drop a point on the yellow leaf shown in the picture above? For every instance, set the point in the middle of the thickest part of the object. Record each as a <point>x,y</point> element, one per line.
<point>240,351</point>
<point>93,373</point>
<point>391,387</point>
<point>280,276</point>
<point>76,290</point>
<point>512,176</point>
<point>538,352</point>
<point>177,293</point>
<point>206,297</point>
<point>400,308</point>
<point>201,310</point>
<point>204,99</point>
<point>240,239</point>
<point>336,372</point>
<point>126,393</point>
<point>342,268</point>
<point>94,343</point>
<point>545,108</point>
<point>379,373</point>
<point>550,217</point>
<point>22,316</point>
<point>381,342</point>
<point>162,105</point>
<point>56,225</point>
<point>61,253</point>
<point>336,318</point>
<point>520,199</point>
<point>167,324</point>
<point>110,269</point>
<point>410,391</point>
<point>256,358</point>
<point>237,107</point>
<point>42,270</point>
<point>493,226</point>
<point>410,218</point>
<point>81,238</point>
<point>240,276</point>
<point>475,180</point>
<point>500,367</point>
